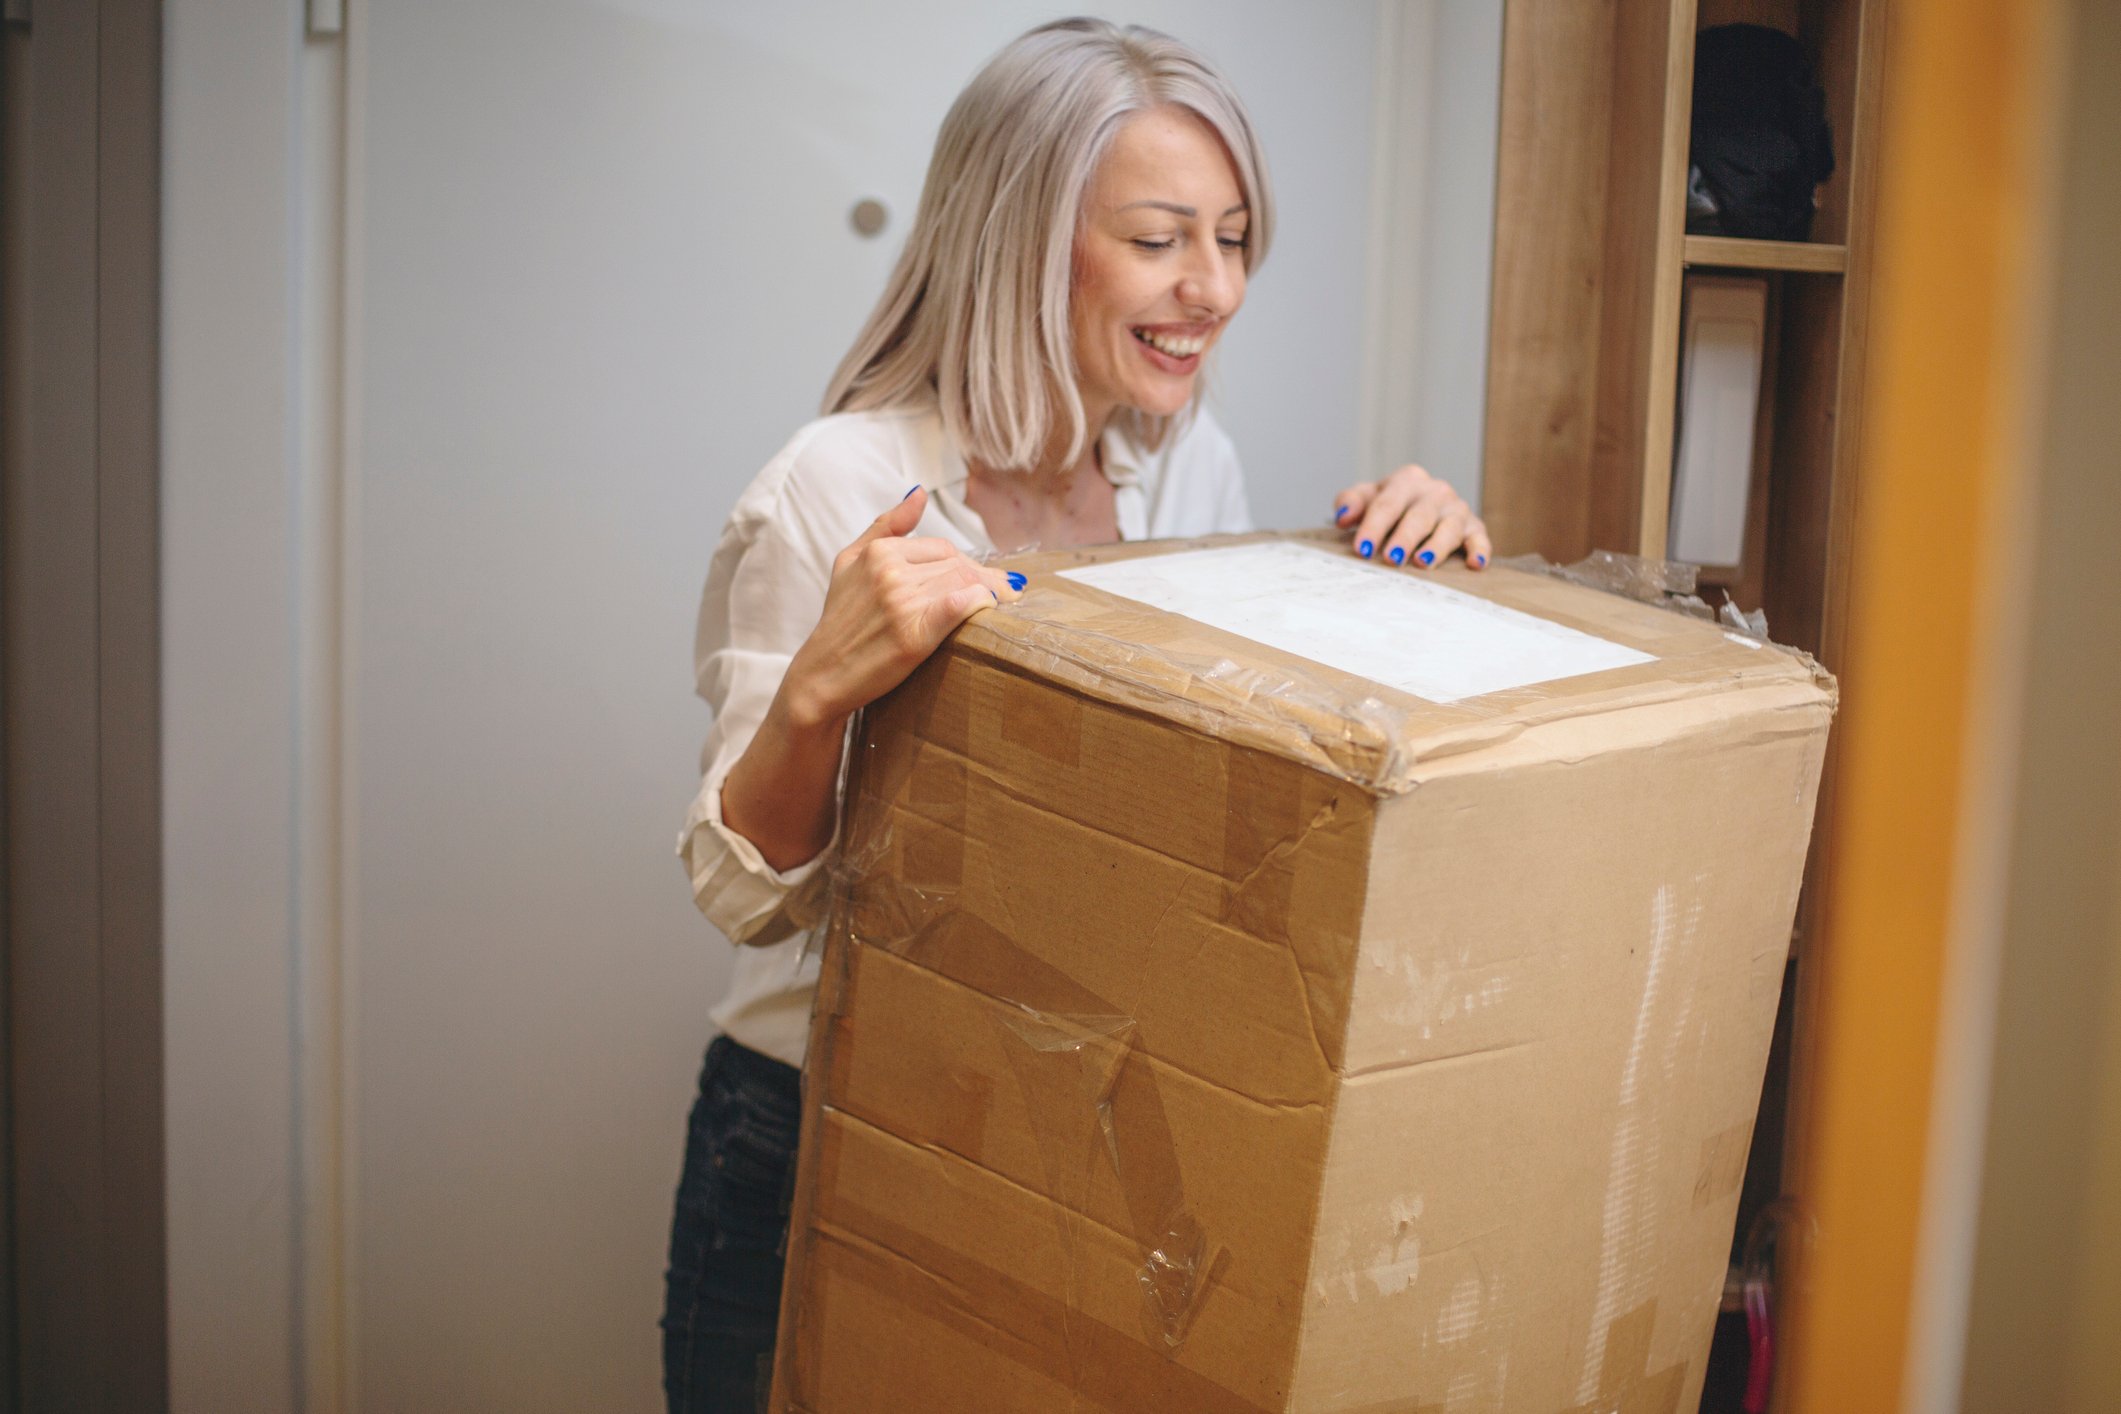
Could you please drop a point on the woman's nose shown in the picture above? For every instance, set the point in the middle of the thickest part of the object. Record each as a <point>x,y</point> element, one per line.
<point>1211,281</point>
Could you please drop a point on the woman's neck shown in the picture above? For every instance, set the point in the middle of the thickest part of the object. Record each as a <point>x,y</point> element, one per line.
<point>1059,504</point>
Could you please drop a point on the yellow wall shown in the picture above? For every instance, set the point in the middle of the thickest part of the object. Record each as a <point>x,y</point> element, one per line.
<point>1959,202</point>
<point>2044,1288</point>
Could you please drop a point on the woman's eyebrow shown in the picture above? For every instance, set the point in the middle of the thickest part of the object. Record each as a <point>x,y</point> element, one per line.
<point>1175,209</point>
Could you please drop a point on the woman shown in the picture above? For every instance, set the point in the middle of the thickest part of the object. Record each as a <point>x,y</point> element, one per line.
<point>1093,210</point>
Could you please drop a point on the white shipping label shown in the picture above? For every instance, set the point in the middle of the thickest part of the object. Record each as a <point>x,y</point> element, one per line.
<point>1391,626</point>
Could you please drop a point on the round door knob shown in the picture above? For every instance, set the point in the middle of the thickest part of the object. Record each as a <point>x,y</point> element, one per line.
<point>868,216</point>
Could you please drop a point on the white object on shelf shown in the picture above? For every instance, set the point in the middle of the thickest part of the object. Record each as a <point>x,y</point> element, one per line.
<point>1723,329</point>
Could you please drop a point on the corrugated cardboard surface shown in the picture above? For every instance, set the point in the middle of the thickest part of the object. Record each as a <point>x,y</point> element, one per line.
<point>1204,1029</point>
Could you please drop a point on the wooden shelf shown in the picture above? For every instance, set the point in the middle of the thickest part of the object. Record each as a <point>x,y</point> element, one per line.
<point>1804,257</point>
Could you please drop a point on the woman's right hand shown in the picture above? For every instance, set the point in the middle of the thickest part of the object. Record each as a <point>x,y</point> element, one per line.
<point>891,602</point>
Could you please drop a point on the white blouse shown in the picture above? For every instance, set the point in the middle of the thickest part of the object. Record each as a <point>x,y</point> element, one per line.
<point>765,591</point>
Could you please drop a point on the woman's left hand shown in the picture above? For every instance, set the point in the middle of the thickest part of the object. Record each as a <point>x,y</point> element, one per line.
<point>1411,518</point>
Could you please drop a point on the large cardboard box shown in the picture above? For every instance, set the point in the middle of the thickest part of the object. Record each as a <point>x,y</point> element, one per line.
<point>1208,1026</point>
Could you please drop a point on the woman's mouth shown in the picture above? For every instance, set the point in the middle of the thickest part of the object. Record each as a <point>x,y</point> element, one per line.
<point>1171,351</point>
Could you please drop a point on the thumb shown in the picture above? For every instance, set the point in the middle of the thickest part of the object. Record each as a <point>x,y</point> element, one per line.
<point>900,519</point>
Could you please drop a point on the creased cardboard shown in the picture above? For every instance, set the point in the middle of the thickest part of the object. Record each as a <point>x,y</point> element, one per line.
<point>1203,1028</point>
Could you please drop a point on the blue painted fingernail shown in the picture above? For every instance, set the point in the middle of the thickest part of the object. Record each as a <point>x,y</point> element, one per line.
<point>1428,557</point>
<point>909,495</point>
<point>1364,549</point>
<point>1340,513</point>
<point>1399,554</point>
<point>1016,581</point>
<point>1480,562</point>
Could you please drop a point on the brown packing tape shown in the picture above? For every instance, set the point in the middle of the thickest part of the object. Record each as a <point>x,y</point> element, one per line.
<point>1069,1047</point>
<point>969,950</point>
<point>921,760</point>
<point>961,1115</point>
<point>1274,805</point>
<point>1260,831</point>
<point>1111,1368</point>
<point>1626,1384</point>
<point>1049,724</point>
<point>1088,775</point>
<point>1072,1054</point>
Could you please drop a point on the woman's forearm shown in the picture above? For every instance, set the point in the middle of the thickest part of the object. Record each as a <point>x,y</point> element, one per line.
<point>889,603</point>
<point>783,792</point>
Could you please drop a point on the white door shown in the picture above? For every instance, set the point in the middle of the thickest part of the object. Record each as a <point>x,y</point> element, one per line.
<point>480,312</point>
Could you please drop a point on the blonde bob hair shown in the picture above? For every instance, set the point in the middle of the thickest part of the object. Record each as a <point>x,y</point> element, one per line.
<point>976,313</point>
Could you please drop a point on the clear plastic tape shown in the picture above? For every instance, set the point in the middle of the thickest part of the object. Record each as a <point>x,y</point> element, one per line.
<point>1668,584</point>
<point>1075,1065</point>
<point>1750,622</point>
<point>1662,582</point>
<point>1072,1053</point>
<point>1292,711</point>
<point>1334,721</point>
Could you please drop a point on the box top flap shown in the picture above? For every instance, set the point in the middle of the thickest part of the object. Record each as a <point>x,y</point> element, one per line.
<point>1368,672</point>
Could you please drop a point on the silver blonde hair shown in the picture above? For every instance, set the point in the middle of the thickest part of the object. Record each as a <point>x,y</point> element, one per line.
<point>976,313</point>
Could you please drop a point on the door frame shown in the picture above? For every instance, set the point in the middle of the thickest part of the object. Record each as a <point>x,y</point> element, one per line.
<point>83,1306</point>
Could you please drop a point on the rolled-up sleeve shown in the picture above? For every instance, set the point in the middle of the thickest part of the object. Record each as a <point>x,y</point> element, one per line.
<point>763,596</point>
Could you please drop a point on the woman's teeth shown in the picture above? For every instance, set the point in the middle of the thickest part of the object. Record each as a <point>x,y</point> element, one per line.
<point>1171,344</point>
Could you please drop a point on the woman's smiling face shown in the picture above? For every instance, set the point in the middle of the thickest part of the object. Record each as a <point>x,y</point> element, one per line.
<point>1159,264</point>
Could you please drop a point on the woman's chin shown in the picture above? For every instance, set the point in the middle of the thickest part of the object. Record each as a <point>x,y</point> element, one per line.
<point>1169,399</point>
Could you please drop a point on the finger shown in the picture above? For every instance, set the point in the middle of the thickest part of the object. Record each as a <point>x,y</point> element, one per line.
<point>947,611</point>
<point>925,549</point>
<point>1478,548</point>
<point>899,520</point>
<point>941,575</point>
<point>1450,533</point>
<point>1351,503</point>
<point>1008,585</point>
<point>1416,521</point>
<point>1380,516</point>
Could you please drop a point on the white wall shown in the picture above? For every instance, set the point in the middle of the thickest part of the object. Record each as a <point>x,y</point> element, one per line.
<point>1455,256</point>
<point>477,318</point>
<point>1438,94</point>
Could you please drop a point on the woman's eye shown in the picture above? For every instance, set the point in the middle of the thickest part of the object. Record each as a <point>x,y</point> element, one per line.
<point>1235,242</point>
<point>1146,243</point>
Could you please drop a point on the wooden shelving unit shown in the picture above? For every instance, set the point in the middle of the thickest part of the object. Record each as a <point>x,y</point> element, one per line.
<point>1591,253</point>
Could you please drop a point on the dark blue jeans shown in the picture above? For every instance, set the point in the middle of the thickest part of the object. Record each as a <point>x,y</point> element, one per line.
<point>722,1294</point>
